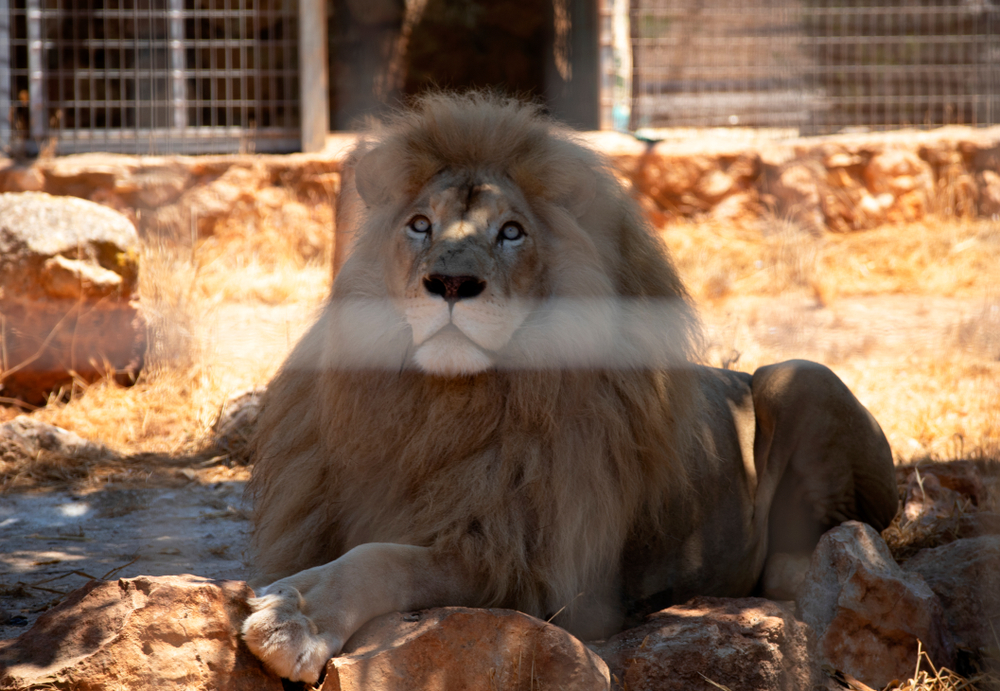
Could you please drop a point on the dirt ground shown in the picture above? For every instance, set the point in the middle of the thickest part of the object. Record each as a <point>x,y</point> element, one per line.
<point>54,542</point>
<point>920,347</point>
<point>195,520</point>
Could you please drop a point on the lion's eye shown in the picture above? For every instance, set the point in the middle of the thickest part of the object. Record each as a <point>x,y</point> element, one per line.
<point>419,227</point>
<point>511,232</point>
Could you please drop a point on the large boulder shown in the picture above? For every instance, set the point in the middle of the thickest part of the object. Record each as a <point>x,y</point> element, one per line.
<point>710,643</point>
<point>457,648</point>
<point>868,614</point>
<point>164,633</point>
<point>965,574</point>
<point>69,273</point>
<point>182,632</point>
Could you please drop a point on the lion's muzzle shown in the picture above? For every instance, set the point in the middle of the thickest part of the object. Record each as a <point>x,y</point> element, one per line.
<point>454,288</point>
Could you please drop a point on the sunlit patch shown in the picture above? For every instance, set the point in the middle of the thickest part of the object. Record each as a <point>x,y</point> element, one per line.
<point>450,354</point>
<point>74,509</point>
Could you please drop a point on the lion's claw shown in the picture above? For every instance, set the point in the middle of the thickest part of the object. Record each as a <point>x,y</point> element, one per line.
<point>285,639</point>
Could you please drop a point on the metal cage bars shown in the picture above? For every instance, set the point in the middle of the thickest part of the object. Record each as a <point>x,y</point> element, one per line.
<point>818,66</point>
<point>151,76</point>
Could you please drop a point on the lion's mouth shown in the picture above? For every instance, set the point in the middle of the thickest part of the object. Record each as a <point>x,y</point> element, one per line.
<point>461,338</point>
<point>449,352</point>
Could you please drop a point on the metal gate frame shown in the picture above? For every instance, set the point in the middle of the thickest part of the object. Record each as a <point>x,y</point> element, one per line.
<point>184,77</point>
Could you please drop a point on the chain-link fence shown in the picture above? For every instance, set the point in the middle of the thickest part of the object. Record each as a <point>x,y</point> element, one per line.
<point>148,76</point>
<point>817,66</point>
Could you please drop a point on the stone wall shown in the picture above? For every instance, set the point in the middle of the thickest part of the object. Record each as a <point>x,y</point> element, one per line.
<point>838,183</point>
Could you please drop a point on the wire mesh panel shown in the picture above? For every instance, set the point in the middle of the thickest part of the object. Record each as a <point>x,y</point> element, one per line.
<point>153,76</point>
<point>717,63</point>
<point>892,63</point>
<point>815,65</point>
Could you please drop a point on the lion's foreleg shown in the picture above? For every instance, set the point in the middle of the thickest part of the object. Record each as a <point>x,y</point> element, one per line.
<point>299,622</point>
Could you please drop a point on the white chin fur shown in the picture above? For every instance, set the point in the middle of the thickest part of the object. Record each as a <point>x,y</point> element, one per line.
<point>451,355</point>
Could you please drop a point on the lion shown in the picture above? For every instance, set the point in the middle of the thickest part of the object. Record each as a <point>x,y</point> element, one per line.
<point>502,405</point>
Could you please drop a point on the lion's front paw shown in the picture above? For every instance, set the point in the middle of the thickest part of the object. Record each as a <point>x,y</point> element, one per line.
<point>284,638</point>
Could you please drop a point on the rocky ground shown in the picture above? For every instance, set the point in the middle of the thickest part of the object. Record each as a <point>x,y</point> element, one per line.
<point>160,516</point>
<point>154,507</point>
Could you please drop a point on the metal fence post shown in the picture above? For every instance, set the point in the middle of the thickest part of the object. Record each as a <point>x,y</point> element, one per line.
<point>36,94</point>
<point>176,29</point>
<point>6,119</point>
<point>313,82</point>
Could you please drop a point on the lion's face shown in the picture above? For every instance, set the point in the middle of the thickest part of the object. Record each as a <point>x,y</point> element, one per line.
<point>467,263</point>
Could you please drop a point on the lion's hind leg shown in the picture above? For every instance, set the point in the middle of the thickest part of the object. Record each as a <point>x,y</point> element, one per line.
<point>828,455</point>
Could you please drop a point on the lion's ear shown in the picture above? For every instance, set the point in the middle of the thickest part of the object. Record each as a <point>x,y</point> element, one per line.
<point>371,178</point>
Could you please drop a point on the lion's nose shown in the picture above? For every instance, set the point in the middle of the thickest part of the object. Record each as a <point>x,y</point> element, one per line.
<point>454,288</point>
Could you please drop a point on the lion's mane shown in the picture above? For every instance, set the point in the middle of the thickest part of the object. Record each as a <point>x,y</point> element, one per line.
<point>537,476</point>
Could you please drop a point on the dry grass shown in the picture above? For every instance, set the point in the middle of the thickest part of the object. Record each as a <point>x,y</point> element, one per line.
<point>225,309</point>
<point>927,677</point>
<point>952,258</point>
<point>223,313</point>
<point>908,316</point>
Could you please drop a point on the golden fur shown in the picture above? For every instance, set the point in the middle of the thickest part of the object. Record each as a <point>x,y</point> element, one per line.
<point>532,479</point>
<point>511,451</point>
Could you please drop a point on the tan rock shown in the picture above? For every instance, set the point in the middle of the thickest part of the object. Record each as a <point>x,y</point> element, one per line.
<point>927,500</point>
<point>965,575</point>
<point>170,632</point>
<point>35,436</point>
<point>69,273</point>
<point>961,476</point>
<point>670,180</point>
<point>73,279</point>
<point>455,648</point>
<point>741,206</point>
<point>989,200</point>
<point>867,613</point>
<point>153,184</point>
<point>904,175</point>
<point>748,643</point>
<point>714,185</point>
<point>19,178</point>
<point>798,190</point>
<point>842,159</point>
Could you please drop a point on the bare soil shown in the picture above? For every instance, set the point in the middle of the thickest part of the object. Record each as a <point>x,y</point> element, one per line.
<point>171,520</point>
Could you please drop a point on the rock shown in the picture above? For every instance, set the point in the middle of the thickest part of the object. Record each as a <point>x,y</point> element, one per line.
<point>989,202</point>
<point>960,476</point>
<point>69,272</point>
<point>714,185</point>
<point>867,613</point>
<point>748,643</point>
<point>797,189</point>
<point>670,179</point>
<point>35,436</point>
<point>455,648</point>
<point>169,632</point>
<point>20,178</point>
<point>897,171</point>
<point>906,177</point>
<point>965,574</point>
<point>182,632</point>
<point>927,501</point>
<point>234,428</point>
